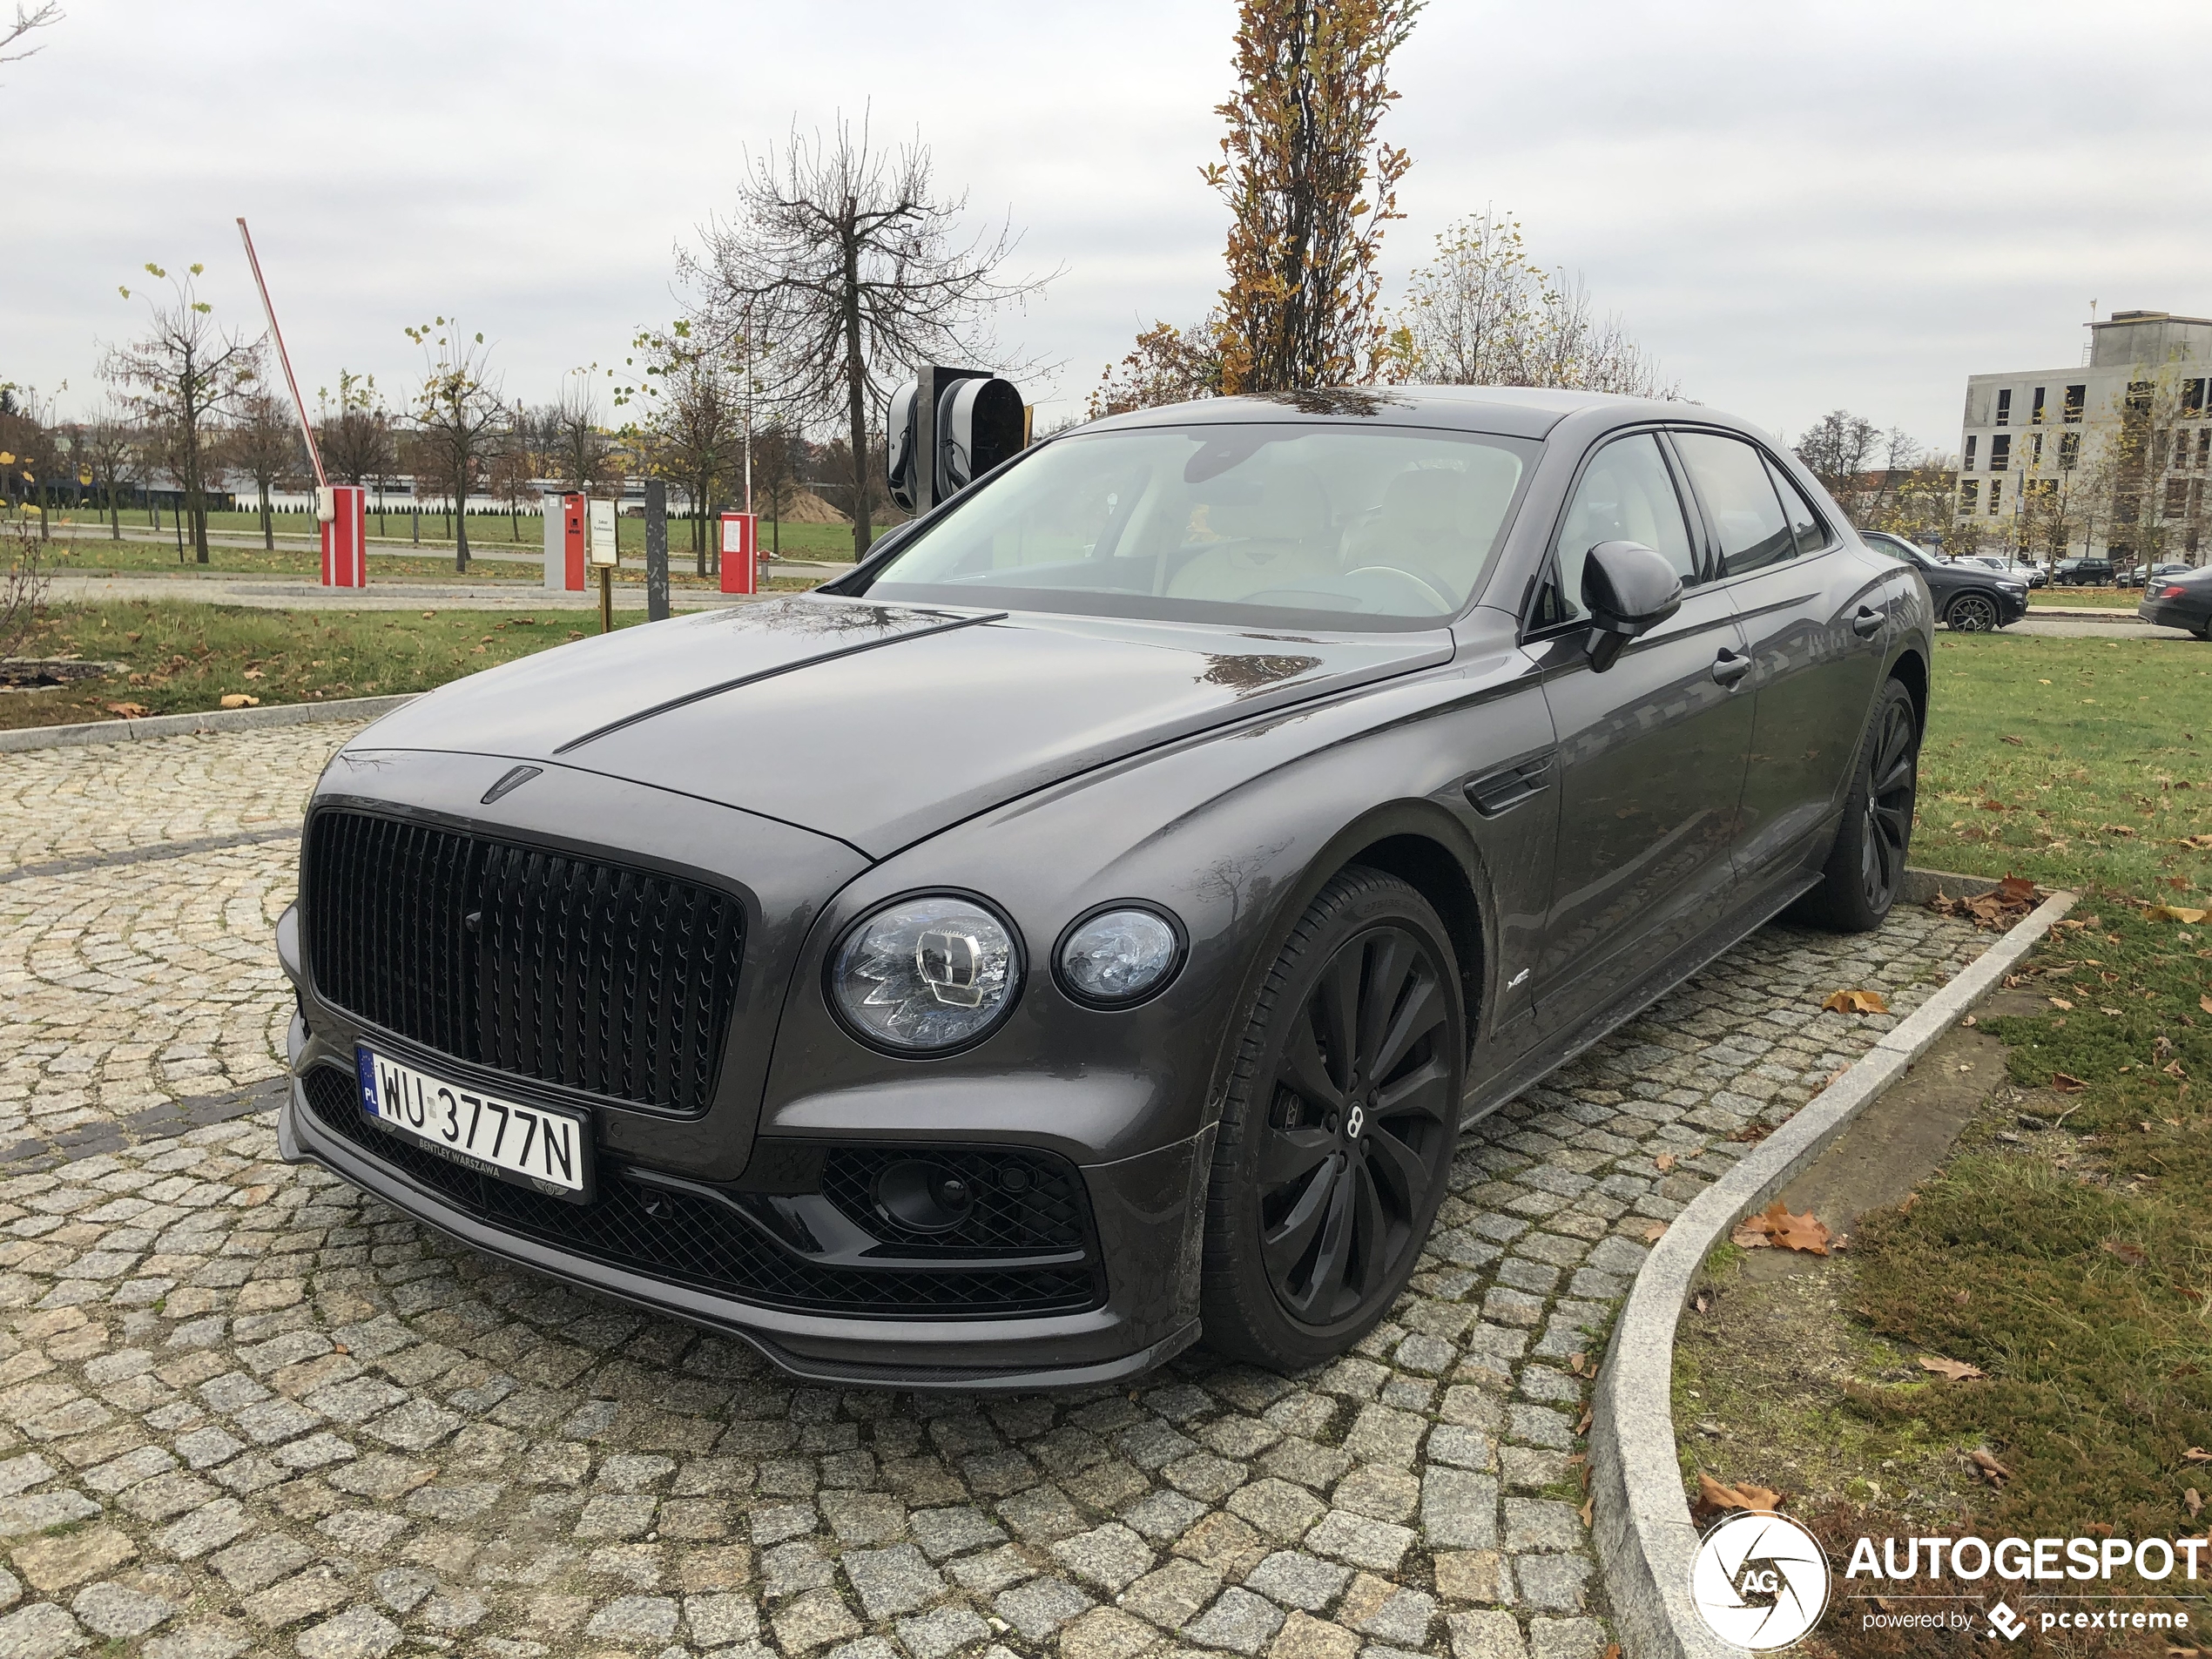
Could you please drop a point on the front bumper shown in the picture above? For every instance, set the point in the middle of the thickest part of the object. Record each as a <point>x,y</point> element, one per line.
<point>1148,1212</point>
<point>2012,605</point>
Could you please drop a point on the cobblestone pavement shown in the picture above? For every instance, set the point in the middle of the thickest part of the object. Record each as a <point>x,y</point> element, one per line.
<point>246,1411</point>
<point>91,799</point>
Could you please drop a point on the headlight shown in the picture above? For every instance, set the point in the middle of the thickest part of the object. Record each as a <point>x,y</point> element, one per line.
<point>1117,956</point>
<point>926,974</point>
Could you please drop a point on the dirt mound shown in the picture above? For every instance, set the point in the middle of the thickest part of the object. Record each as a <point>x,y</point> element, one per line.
<point>807,508</point>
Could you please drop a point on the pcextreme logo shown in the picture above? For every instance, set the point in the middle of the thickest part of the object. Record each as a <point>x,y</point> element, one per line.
<point>1759,1581</point>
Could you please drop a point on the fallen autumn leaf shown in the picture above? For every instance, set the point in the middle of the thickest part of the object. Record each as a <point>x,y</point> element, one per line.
<point>1950,1369</point>
<point>1856,1003</point>
<point>1776,1225</point>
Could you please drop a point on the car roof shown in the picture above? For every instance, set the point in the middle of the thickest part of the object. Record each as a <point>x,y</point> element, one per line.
<point>1511,411</point>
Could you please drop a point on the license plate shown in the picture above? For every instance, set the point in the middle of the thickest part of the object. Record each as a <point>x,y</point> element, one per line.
<point>549,1150</point>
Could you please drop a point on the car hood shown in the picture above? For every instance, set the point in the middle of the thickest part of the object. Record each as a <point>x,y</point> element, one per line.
<point>876,724</point>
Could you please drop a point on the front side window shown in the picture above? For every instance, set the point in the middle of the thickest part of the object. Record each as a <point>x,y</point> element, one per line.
<point>1626,494</point>
<point>1738,494</point>
<point>1352,527</point>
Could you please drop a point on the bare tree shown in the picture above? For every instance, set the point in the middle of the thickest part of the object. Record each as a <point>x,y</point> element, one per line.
<point>1839,450</point>
<point>513,468</point>
<point>693,416</point>
<point>22,588</point>
<point>12,35</point>
<point>583,451</point>
<point>354,431</point>
<point>1483,313</point>
<point>776,453</point>
<point>456,414</point>
<point>109,448</point>
<point>843,259</point>
<point>264,443</point>
<point>1309,189</point>
<point>182,377</point>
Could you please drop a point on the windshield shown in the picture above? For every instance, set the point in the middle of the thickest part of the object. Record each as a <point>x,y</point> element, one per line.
<point>1368,527</point>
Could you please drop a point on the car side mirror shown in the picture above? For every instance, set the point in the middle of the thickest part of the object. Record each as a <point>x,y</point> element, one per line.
<point>1628,590</point>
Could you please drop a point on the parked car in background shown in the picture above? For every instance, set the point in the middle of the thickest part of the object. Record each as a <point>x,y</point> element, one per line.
<point>1969,597</point>
<point>2169,569</point>
<point>2083,572</point>
<point>2183,600</point>
<point>1990,560</point>
<point>1094,917</point>
<point>2037,575</point>
<point>2130,576</point>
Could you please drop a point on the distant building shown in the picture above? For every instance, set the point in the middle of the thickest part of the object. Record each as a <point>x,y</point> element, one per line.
<point>2105,456</point>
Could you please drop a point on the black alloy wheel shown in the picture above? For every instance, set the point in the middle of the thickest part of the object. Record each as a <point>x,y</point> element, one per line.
<point>1893,786</point>
<point>1340,1127</point>
<point>1971,613</point>
<point>1866,867</point>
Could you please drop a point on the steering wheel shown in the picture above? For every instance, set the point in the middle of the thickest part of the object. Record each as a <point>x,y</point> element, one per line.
<point>1444,606</point>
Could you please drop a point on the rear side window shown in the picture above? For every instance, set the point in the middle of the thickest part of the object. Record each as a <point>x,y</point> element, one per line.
<point>1626,494</point>
<point>1805,523</point>
<point>1746,514</point>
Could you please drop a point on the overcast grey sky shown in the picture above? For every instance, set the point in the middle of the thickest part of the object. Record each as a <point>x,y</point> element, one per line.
<point>1795,206</point>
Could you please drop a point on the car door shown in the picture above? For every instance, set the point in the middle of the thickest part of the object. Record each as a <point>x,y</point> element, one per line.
<point>1650,752</point>
<point>1815,621</point>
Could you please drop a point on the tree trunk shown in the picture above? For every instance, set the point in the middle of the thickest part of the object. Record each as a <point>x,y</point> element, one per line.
<point>856,399</point>
<point>194,503</point>
<point>114,514</point>
<point>268,520</point>
<point>460,512</point>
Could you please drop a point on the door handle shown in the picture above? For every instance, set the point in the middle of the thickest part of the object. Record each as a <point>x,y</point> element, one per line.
<point>1730,666</point>
<point>1867,623</point>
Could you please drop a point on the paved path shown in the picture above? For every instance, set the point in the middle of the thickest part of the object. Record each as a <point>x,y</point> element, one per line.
<point>245,1411</point>
<point>2093,626</point>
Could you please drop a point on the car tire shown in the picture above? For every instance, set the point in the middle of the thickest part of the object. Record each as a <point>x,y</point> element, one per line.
<point>1325,1181</point>
<point>1972,613</point>
<point>1866,865</point>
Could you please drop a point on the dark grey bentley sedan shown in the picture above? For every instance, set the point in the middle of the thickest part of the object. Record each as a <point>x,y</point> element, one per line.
<point>1086,926</point>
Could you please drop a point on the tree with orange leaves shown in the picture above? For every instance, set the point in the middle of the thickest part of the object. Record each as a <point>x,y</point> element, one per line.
<point>1309,188</point>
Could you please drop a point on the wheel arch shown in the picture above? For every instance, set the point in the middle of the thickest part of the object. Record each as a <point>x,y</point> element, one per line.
<point>1911,669</point>
<point>1422,844</point>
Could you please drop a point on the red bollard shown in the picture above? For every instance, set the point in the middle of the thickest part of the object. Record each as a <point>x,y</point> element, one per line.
<point>343,510</point>
<point>740,553</point>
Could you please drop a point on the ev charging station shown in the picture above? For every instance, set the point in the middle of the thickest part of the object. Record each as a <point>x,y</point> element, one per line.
<point>564,544</point>
<point>341,515</point>
<point>949,427</point>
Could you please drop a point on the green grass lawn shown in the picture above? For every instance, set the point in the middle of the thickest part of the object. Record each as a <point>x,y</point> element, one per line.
<point>2073,1266</point>
<point>2077,762</point>
<point>184,658</point>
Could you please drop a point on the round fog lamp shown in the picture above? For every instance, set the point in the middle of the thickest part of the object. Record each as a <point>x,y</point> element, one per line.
<point>1119,955</point>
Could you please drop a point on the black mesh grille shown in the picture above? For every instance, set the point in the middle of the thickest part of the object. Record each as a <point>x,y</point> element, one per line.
<point>583,975</point>
<point>695,1240</point>
<point>1024,1201</point>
